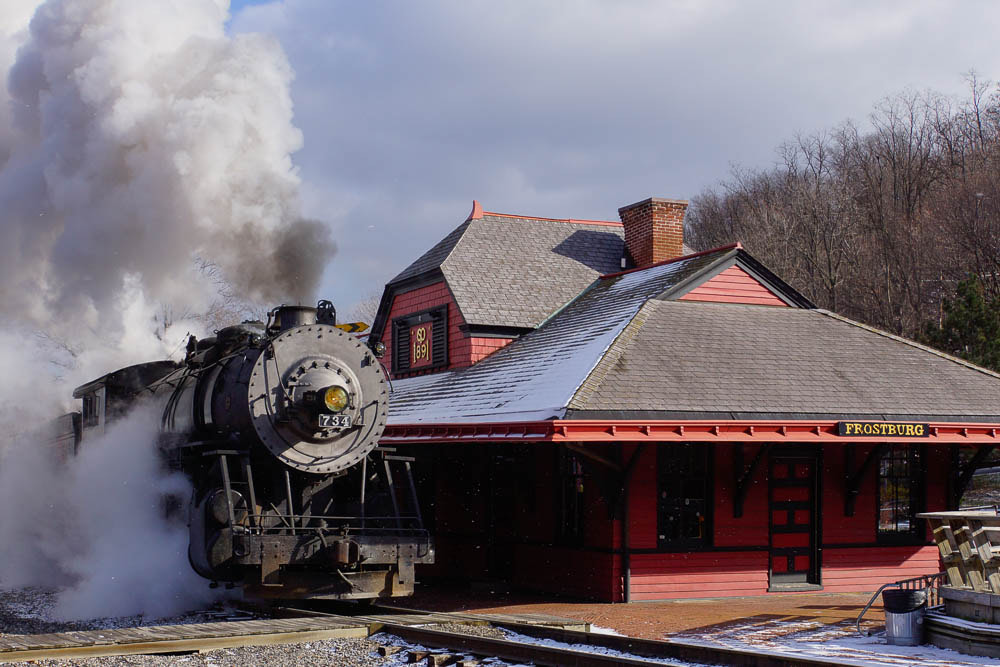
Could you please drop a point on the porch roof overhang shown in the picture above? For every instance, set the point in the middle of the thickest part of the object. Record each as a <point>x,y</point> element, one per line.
<point>704,430</point>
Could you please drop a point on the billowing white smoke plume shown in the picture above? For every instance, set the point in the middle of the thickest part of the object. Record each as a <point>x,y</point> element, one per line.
<point>138,144</point>
<point>141,137</point>
<point>95,525</point>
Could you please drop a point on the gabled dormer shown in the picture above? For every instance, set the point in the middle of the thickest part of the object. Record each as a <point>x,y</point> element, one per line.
<point>492,279</point>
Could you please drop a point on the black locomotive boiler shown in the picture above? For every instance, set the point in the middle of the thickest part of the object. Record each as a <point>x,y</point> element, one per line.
<point>277,428</point>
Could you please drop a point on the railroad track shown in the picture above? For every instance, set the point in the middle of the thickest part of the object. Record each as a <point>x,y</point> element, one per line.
<point>417,629</point>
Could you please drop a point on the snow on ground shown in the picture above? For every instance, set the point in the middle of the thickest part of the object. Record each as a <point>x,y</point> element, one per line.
<point>587,648</point>
<point>840,642</point>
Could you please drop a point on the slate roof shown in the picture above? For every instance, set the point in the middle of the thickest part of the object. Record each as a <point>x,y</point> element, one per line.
<point>536,375</point>
<point>509,271</point>
<point>705,360</point>
<point>623,350</point>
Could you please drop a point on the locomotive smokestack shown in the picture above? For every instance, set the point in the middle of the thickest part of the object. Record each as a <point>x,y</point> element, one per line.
<point>286,317</point>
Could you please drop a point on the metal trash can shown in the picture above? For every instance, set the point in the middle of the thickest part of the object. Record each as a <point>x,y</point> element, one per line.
<point>904,616</point>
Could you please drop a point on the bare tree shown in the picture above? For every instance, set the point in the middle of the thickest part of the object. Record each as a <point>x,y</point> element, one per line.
<point>365,309</point>
<point>879,223</point>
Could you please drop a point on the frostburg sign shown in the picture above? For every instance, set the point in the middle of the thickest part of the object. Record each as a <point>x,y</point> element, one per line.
<point>898,430</point>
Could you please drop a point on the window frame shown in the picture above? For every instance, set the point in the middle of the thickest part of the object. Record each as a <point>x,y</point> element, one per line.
<point>681,544</point>
<point>438,316</point>
<point>915,484</point>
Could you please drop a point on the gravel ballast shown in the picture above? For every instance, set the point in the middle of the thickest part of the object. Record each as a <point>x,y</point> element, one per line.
<point>26,611</point>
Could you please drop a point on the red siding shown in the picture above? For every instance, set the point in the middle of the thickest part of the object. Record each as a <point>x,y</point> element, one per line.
<point>734,285</point>
<point>838,528</point>
<point>750,530</point>
<point>736,573</point>
<point>698,574</point>
<point>463,350</point>
<point>642,499</point>
<point>864,569</point>
<point>480,348</point>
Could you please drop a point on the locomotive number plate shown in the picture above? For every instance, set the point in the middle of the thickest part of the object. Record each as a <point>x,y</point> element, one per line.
<point>335,421</point>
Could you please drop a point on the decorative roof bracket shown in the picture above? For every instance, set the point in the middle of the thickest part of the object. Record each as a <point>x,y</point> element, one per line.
<point>852,478</point>
<point>743,476</point>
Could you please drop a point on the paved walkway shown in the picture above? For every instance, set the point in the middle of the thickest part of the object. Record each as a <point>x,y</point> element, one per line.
<point>657,620</point>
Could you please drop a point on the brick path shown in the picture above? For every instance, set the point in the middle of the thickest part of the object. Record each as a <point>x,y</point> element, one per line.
<point>657,620</point>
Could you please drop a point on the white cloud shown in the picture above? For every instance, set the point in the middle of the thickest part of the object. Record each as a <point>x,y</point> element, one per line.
<point>571,109</point>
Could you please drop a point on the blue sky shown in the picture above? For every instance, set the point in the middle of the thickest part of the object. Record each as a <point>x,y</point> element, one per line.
<point>410,110</point>
<point>236,5</point>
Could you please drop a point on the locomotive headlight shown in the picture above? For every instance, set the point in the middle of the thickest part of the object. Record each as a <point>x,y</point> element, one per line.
<point>335,398</point>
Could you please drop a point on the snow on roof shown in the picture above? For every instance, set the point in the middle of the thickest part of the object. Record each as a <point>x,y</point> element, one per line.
<point>535,377</point>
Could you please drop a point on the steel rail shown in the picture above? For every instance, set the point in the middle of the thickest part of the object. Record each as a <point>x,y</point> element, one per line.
<point>506,649</point>
<point>630,646</point>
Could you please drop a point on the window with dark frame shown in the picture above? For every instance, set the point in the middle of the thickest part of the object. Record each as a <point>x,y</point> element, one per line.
<point>900,493</point>
<point>91,414</point>
<point>571,498</point>
<point>682,513</point>
<point>420,341</point>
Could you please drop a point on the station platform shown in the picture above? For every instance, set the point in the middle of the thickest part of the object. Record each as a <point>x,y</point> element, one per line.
<point>701,617</point>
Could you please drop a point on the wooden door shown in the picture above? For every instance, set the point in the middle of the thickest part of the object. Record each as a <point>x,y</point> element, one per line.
<point>792,504</point>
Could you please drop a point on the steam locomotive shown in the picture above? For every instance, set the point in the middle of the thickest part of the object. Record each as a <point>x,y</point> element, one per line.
<point>277,427</point>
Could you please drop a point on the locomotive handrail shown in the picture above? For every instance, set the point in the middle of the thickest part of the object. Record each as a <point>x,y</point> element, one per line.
<point>288,519</point>
<point>420,532</point>
<point>392,517</point>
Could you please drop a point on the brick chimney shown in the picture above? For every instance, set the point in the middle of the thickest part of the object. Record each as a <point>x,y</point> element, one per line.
<point>654,229</point>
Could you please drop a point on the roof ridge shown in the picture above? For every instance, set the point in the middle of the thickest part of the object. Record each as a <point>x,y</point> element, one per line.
<point>458,242</point>
<point>575,221</point>
<point>593,380</point>
<point>730,246</point>
<point>906,341</point>
<point>407,274</point>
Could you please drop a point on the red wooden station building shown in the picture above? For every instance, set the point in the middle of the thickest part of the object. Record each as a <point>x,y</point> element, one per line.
<point>597,411</point>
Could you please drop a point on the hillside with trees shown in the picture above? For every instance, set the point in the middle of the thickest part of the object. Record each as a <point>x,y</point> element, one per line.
<point>895,223</point>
